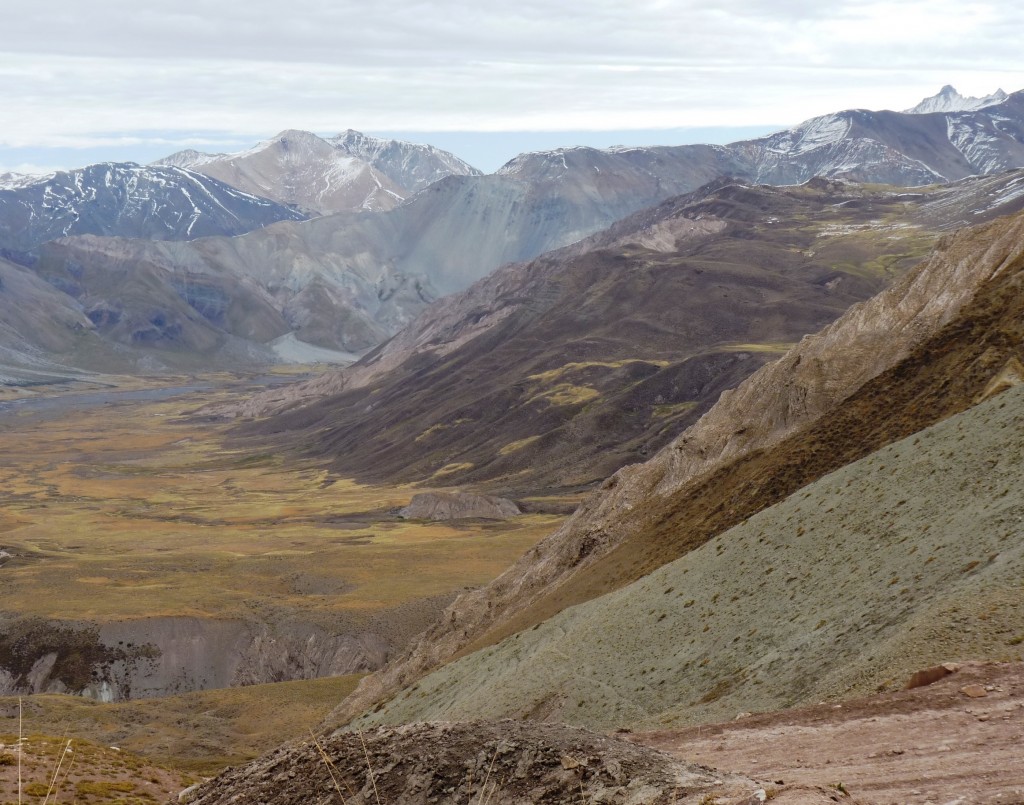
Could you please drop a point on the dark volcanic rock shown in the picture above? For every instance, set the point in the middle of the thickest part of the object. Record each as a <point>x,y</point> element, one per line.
<point>458,506</point>
<point>500,763</point>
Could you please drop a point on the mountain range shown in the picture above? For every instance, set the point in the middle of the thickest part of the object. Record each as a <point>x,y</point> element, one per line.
<point>532,378</point>
<point>348,281</point>
<point>351,171</point>
<point>155,203</point>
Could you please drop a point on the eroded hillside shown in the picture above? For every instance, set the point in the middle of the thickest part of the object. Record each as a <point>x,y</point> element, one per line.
<point>920,351</point>
<point>901,560</point>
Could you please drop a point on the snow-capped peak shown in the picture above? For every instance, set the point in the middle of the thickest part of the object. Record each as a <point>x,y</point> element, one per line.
<point>14,181</point>
<point>949,100</point>
<point>188,159</point>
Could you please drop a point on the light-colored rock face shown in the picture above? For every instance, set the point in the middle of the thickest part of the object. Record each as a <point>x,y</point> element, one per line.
<point>903,559</point>
<point>409,165</point>
<point>323,176</point>
<point>948,99</point>
<point>301,169</point>
<point>164,656</point>
<point>794,391</point>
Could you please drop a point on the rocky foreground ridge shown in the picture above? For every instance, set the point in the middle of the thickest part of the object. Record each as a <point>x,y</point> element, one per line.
<point>507,762</point>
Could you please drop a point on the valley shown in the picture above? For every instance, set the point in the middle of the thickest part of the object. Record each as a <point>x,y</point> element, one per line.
<point>128,522</point>
<point>619,461</point>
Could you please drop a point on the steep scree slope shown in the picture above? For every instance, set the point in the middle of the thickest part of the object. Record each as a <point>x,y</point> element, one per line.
<point>904,559</point>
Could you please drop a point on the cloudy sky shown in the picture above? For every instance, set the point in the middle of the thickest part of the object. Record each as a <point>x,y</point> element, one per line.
<point>130,79</point>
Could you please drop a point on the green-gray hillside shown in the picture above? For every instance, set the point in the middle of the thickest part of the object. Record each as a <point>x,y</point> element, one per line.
<point>910,556</point>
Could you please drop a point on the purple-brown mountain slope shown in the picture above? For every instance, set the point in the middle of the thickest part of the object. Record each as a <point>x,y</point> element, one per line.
<point>555,373</point>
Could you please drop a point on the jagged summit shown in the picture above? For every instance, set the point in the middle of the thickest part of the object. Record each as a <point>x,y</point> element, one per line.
<point>352,171</point>
<point>948,99</point>
<point>188,158</point>
<point>412,166</point>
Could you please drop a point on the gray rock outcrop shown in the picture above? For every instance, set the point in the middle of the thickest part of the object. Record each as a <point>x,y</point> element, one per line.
<point>458,506</point>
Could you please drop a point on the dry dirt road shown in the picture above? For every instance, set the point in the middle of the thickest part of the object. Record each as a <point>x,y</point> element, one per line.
<point>958,741</point>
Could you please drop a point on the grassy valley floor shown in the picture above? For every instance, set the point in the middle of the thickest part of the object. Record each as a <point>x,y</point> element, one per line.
<point>116,504</point>
<point>127,510</point>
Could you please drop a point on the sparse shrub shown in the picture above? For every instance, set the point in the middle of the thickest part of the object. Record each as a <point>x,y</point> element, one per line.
<point>103,788</point>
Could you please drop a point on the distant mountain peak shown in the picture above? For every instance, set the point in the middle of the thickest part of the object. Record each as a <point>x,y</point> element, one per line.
<point>948,99</point>
<point>324,175</point>
<point>189,158</point>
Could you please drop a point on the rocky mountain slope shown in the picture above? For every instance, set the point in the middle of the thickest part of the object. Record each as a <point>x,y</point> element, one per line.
<point>557,372</point>
<point>352,171</point>
<point>348,281</point>
<point>38,323</point>
<point>156,203</point>
<point>412,166</point>
<point>870,378</point>
<point>137,303</point>
<point>892,147</point>
<point>848,585</point>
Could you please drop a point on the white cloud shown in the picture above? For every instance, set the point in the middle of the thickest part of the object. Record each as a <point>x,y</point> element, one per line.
<point>73,72</point>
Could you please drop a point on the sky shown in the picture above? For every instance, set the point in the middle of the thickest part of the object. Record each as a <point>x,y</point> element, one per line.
<point>83,82</point>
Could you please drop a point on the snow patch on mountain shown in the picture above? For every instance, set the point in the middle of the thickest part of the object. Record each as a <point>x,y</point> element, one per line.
<point>977,141</point>
<point>291,350</point>
<point>156,202</point>
<point>948,99</point>
<point>15,181</point>
<point>810,135</point>
<point>190,159</point>
<point>411,166</point>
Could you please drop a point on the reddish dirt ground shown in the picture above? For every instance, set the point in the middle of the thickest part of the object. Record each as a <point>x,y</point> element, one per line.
<point>958,741</point>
